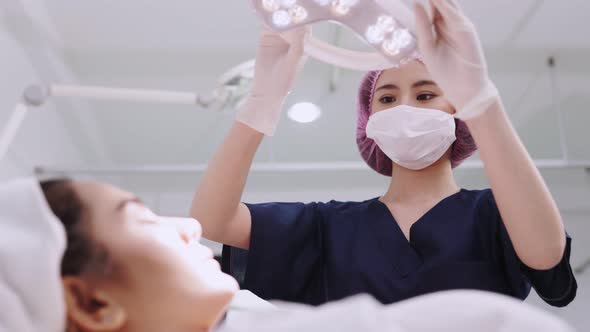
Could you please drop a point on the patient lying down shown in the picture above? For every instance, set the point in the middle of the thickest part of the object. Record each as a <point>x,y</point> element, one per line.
<point>126,269</point>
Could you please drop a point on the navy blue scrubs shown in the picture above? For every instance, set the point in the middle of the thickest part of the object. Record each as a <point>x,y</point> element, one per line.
<point>320,252</point>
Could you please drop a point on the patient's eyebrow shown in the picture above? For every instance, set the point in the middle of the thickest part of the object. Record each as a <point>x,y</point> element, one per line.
<point>125,202</point>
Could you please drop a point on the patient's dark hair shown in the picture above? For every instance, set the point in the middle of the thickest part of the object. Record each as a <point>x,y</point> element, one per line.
<point>82,253</point>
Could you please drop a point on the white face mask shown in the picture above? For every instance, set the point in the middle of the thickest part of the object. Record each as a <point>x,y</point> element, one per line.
<point>412,137</point>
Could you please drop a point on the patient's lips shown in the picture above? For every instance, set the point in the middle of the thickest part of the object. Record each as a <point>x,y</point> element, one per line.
<point>214,264</point>
<point>201,252</point>
<point>209,257</point>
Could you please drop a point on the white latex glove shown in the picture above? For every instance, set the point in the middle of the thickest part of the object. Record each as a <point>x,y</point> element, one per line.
<point>454,57</point>
<point>280,57</point>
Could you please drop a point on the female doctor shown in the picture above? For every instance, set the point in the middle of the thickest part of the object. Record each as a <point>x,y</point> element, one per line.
<point>423,235</point>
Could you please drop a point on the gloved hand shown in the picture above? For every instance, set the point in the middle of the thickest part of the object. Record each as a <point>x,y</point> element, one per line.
<point>280,57</point>
<point>454,57</point>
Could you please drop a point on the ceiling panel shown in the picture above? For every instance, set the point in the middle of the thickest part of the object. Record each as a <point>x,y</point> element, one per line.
<point>496,20</point>
<point>559,24</point>
<point>156,24</point>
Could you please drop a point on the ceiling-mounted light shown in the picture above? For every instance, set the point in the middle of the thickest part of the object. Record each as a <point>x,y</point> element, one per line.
<point>386,25</point>
<point>304,112</point>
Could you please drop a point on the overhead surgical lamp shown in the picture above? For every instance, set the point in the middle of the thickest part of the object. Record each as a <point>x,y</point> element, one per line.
<point>386,25</point>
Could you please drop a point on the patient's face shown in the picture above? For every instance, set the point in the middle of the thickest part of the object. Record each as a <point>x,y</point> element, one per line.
<point>159,268</point>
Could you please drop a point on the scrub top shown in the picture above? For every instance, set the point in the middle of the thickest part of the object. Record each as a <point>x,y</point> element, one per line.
<point>322,252</point>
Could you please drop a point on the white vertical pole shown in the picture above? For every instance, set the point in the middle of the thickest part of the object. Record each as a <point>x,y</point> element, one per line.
<point>556,100</point>
<point>9,131</point>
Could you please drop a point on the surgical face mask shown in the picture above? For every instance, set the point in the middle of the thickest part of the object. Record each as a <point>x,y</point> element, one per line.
<point>412,137</point>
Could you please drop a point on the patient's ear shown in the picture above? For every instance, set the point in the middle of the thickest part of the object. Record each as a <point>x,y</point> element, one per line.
<point>91,309</point>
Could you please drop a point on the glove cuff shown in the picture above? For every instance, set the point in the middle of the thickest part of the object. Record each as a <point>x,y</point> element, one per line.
<point>480,103</point>
<point>262,115</point>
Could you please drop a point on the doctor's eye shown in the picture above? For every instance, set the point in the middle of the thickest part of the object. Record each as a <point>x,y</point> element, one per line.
<point>426,96</point>
<point>387,100</point>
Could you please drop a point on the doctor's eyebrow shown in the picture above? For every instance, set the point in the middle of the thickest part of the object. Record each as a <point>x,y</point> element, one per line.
<point>422,83</point>
<point>418,84</point>
<point>388,87</point>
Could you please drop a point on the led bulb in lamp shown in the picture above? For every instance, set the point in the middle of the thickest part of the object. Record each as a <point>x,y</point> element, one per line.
<point>270,5</point>
<point>281,18</point>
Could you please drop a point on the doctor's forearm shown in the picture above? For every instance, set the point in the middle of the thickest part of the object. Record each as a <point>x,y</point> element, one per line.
<point>529,212</point>
<point>218,196</point>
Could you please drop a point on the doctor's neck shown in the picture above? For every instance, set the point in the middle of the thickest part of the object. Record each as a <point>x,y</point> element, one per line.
<point>433,182</point>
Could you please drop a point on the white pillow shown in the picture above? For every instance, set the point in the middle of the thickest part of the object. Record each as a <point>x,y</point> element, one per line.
<point>32,242</point>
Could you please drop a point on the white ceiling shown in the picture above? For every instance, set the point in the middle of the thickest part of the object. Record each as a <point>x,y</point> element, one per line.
<point>186,44</point>
<point>230,24</point>
<point>154,24</point>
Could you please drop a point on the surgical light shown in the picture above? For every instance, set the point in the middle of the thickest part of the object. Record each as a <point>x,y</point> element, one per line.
<point>386,25</point>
